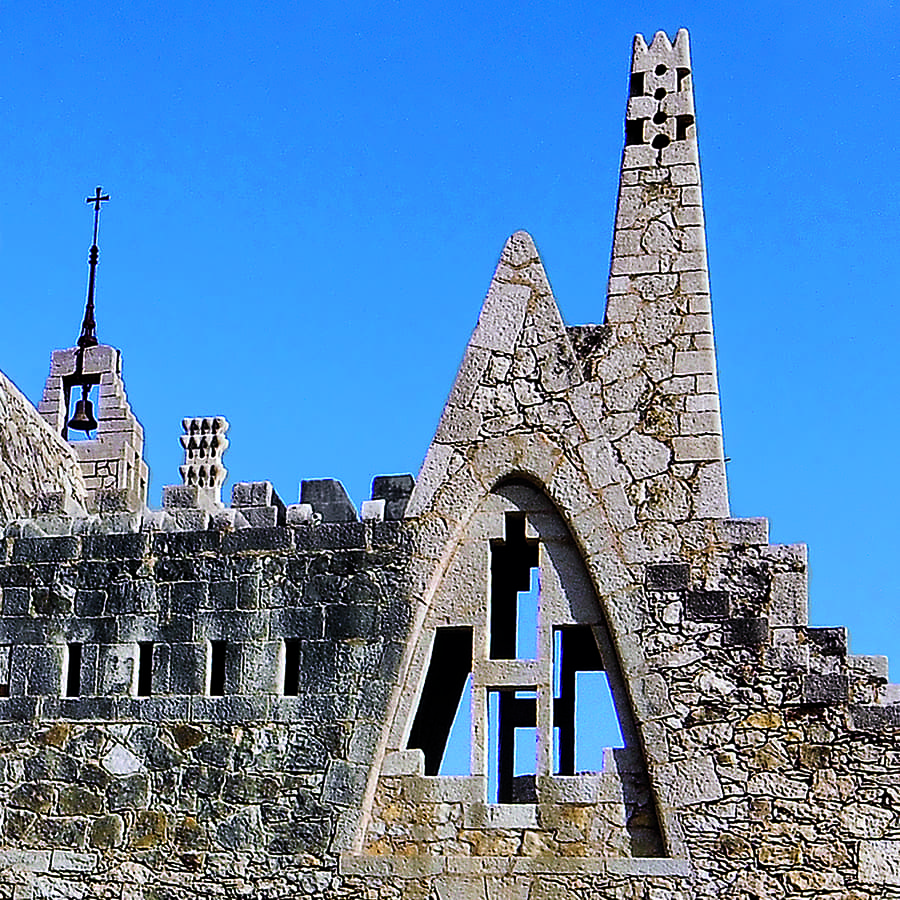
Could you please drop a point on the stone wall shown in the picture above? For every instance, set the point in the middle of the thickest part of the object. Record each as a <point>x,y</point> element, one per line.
<point>180,788</point>
<point>771,750</point>
<point>34,461</point>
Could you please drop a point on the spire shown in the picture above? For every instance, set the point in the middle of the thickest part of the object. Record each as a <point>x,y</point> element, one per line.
<point>658,307</point>
<point>88,337</point>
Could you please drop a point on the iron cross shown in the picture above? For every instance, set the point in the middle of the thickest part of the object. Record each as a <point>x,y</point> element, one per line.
<point>97,199</point>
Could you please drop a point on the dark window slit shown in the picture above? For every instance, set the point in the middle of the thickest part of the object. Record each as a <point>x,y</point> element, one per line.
<point>145,668</point>
<point>217,668</point>
<point>291,668</point>
<point>73,670</point>
<point>634,132</point>
<point>682,124</point>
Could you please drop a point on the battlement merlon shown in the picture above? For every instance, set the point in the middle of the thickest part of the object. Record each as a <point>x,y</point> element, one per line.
<point>661,356</point>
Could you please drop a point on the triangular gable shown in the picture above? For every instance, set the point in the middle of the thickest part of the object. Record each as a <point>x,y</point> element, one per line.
<point>520,412</point>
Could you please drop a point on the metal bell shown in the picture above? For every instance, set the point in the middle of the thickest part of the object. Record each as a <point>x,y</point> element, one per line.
<point>83,419</point>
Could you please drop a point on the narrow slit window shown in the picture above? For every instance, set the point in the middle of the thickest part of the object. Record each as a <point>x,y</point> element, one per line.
<point>73,669</point>
<point>145,668</point>
<point>445,682</point>
<point>291,668</point>
<point>636,87</point>
<point>217,651</point>
<point>513,561</point>
<point>5,669</point>
<point>527,617</point>
<point>512,744</point>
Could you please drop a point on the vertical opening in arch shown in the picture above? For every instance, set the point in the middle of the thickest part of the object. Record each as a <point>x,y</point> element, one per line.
<point>585,718</point>
<point>442,693</point>
<point>514,592</point>
<point>512,745</point>
<point>457,759</point>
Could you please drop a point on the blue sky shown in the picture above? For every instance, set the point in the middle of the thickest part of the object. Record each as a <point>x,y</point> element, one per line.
<point>309,200</point>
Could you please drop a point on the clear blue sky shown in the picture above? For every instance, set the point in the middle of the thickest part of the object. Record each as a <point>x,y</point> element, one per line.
<point>309,200</point>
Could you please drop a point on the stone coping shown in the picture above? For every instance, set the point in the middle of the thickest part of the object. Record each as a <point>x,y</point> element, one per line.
<point>427,866</point>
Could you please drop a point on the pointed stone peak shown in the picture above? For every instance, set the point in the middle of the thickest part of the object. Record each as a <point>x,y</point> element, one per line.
<point>519,287</point>
<point>661,51</point>
<point>682,47</point>
<point>519,250</point>
<point>661,42</point>
<point>658,309</point>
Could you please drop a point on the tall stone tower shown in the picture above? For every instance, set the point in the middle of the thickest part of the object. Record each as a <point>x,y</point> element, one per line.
<point>661,362</point>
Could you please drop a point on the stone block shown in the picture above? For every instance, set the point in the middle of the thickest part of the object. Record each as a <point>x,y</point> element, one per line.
<point>825,690</point>
<point>395,490</point>
<point>373,510</point>
<point>181,496</point>
<point>255,493</point>
<point>250,540</point>
<point>300,514</point>
<point>116,668</point>
<point>107,832</point>
<point>879,862</point>
<point>329,499</point>
<point>690,781</point>
<point>745,632</point>
<point>707,606</point>
<point>262,516</point>
<point>828,641</point>
<point>71,861</point>
<point>25,860</point>
<point>187,668</point>
<point>698,448</point>
<point>191,519</point>
<point>404,762</point>
<point>869,666</point>
<point>668,577</point>
<point>349,622</point>
<point>305,623</point>
<point>16,601</point>
<point>49,549</point>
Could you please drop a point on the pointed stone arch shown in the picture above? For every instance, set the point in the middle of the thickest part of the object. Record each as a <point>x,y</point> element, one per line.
<point>456,619</point>
<point>520,410</point>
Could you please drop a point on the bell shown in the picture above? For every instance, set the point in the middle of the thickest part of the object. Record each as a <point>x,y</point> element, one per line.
<point>83,419</point>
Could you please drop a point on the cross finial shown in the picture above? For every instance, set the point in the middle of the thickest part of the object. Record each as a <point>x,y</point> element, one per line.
<point>98,198</point>
<point>88,337</point>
